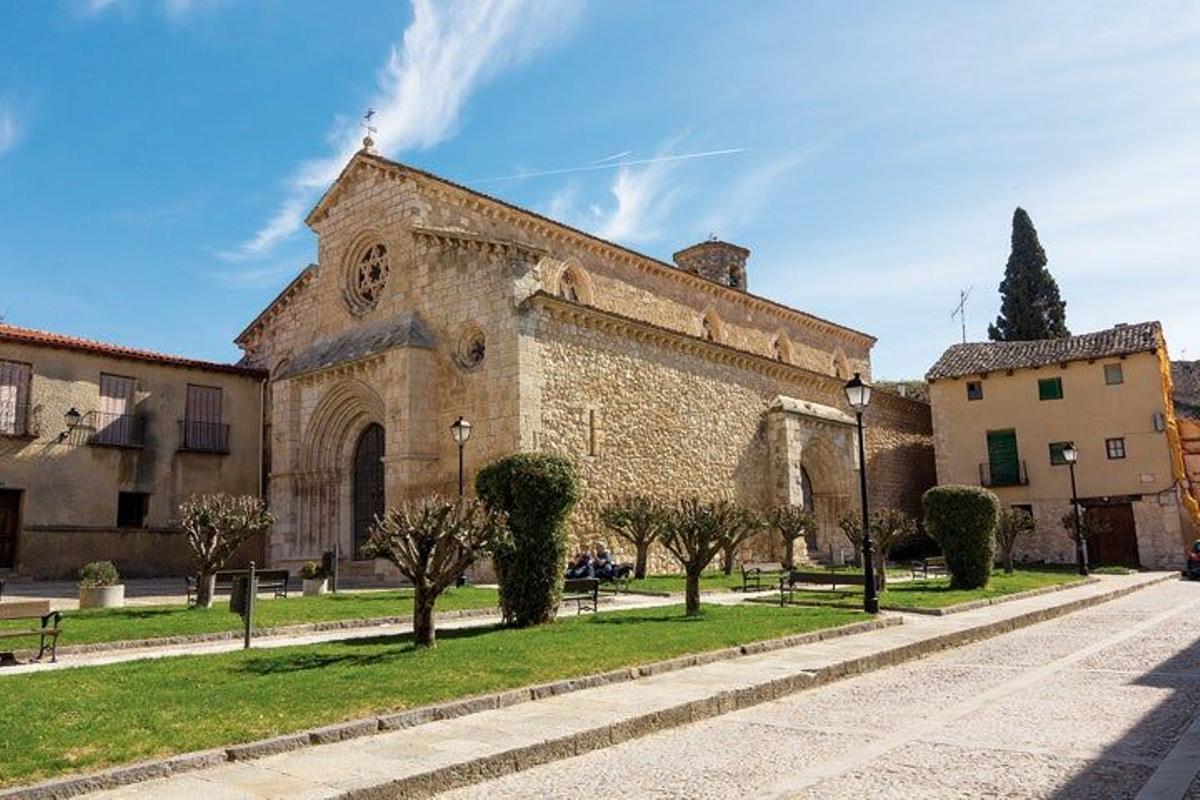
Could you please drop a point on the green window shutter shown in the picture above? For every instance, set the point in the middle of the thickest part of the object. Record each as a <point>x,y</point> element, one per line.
<point>1003,461</point>
<point>1050,389</point>
<point>1056,453</point>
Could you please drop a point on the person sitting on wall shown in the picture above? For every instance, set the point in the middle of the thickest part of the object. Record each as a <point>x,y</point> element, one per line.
<point>581,566</point>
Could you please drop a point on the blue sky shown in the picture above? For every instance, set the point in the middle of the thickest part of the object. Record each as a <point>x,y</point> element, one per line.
<point>156,156</point>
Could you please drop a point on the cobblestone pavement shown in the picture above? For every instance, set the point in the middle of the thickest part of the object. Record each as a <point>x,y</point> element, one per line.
<point>1103,703</point>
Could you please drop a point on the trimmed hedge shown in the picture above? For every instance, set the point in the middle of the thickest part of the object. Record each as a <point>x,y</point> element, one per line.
<point>537,492</point>
<point>962,520</point>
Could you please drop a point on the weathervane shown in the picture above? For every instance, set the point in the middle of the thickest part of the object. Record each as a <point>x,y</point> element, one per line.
<point>367,119</point>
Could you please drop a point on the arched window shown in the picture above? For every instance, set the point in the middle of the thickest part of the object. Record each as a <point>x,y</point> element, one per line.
<point>368,484</point>
<point>574,284</point>
<point>841,367</point>
<point>568,288</point>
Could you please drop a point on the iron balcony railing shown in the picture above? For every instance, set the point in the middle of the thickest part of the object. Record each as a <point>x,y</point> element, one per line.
<point>1003,474</point>
<point>203,437</point>
<point>117,430</point>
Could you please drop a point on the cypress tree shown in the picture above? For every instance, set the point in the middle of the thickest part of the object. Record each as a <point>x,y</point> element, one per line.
<point>1030,306</point>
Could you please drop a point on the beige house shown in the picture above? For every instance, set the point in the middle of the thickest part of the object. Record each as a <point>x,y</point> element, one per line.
<point>1003,412</point>
<point>430,301</point>
<point>99,444</point>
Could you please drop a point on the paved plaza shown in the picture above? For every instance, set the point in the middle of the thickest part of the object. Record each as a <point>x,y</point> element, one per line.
<point>1102,703</point>
<point>1108,689</point>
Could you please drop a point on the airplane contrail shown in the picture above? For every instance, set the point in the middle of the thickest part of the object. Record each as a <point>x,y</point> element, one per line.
<point>613,157</point>
<point>613,165</point>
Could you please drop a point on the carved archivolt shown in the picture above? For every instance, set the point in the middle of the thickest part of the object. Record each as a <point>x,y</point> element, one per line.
<point>347,408</point>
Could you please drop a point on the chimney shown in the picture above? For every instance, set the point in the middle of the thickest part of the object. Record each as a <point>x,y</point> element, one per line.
<point>717,261</point>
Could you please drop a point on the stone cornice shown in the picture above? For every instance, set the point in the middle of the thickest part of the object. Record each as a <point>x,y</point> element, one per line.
<point>345,369</point>
<point>475,242</point>
<point>279,303</point>
<point>641,331</point>
<point>555,231</point>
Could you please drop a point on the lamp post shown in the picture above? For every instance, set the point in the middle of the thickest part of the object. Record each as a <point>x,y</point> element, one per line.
<point>1070,454</point>
<point>460,429</point>
<point>858,394</point>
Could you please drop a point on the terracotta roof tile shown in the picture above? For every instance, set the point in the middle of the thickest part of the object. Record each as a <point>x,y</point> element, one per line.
<point>12,333</point>
<point>974,358</point>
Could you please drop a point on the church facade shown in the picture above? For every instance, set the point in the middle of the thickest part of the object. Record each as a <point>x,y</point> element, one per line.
<point>430,301</point>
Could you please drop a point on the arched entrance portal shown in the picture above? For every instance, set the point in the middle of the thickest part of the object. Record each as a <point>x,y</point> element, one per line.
<point>367,484</point>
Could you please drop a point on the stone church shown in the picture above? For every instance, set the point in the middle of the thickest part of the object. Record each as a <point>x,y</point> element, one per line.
<point>430,301</point>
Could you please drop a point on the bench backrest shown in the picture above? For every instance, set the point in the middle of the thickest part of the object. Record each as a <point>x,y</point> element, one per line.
<point>936,561</point>
<point>225,577</point>
<point>24,609</point>
<point>762,566</point>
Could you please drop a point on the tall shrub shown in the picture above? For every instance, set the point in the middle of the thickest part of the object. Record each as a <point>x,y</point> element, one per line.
<point>962,520</point>
<point>536,492</point>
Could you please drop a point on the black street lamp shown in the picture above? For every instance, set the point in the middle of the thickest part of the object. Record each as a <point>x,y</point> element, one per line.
<point>859,396</point>
<point>460,429</point>
<point>1070,454</point>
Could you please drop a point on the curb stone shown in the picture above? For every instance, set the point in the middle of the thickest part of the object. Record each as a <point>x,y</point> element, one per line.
<point>71,786</point>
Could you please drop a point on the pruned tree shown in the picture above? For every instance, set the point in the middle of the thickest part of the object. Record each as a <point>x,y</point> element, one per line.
<point>1089,526</point>
<point>1012,524</point>
<point>695,532</point>
<point>791,523</point>
<point>638,520</point>
<point>216,526</point>
<point>751,525</point>
<point>1030,304</point>
<point>889,527</point>
<point>431,541</point>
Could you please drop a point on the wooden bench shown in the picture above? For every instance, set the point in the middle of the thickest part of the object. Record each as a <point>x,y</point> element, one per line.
<point>47,629</point>
<point>269,580</point>
<point>929,566</point>
<point>756,572</point>
<point>584,592</point>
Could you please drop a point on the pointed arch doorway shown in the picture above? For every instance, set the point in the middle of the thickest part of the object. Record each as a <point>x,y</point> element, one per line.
<point>367,479</point>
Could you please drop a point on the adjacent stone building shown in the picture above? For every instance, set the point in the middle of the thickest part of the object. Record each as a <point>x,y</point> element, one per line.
<point>1004,411</point>
<point>430,301</point>
<point>99,444</point>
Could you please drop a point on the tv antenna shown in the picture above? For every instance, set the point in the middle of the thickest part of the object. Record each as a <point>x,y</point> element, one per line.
<point>960,310</point>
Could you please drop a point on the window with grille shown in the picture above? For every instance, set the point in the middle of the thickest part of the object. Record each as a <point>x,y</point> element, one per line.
<point>1114,374</point>
<point>1056,453</point>
<point>1115,447</point>
<point>974,390</point>
<point>202,427</point>
<point>14,398</point>
<point>114,420</point>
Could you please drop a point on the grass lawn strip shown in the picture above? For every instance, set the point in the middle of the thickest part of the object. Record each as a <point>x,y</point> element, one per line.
<point>717,581</point>
<point>91,717</point>
<point>136,623</point>
<point>935,593</point>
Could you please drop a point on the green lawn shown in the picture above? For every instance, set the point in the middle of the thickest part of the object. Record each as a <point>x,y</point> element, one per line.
<point>936,592</point>
<point>91,717</point>
<point>150,622</point>
<point>715,581</point>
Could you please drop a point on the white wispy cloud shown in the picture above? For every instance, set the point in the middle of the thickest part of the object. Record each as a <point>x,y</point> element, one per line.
<point>644,198</point>
<point>255,277</point>
<point>744,200</point>
<point>609,162</point>
<point>10,130</point>
<point>448,52</point>
<point>174,11</point>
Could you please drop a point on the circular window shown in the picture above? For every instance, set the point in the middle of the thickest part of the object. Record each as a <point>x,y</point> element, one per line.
<point>472,347</point>
<point>367,276</point>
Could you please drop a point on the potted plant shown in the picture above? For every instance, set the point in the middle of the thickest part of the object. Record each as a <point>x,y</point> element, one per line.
<point>314,579</point>
<point>100,586</point>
